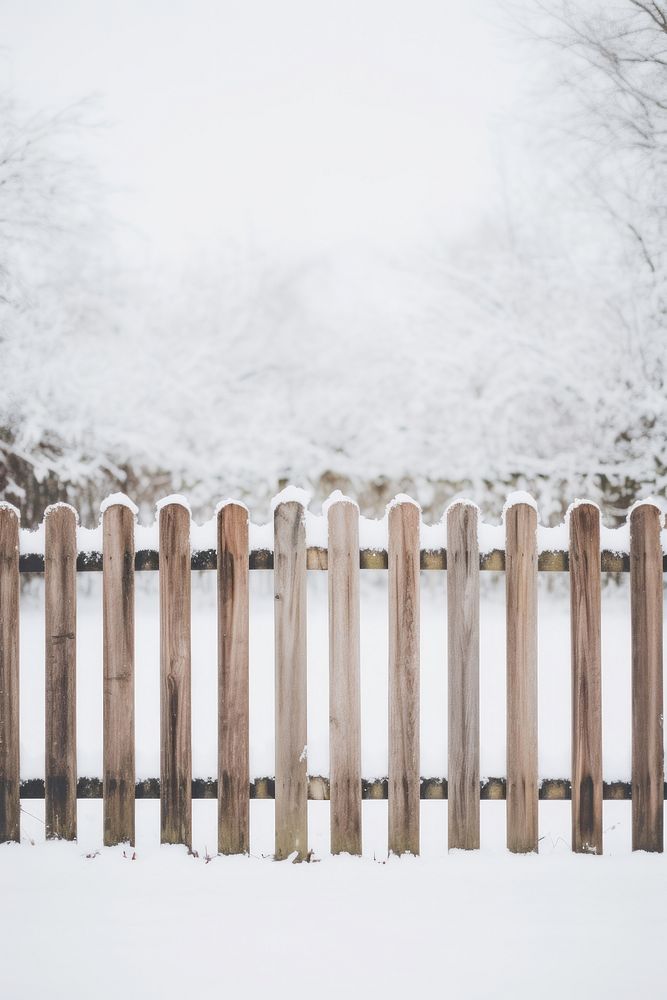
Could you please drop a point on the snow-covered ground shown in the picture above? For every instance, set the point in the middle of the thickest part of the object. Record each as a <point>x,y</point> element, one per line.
<point>554,677</point>
<point>81,921</point>
<point>79,924</point>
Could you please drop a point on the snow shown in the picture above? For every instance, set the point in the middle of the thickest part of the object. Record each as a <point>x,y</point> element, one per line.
<point>173,498</point>
<point>402,498</point>
<point>373,532</point>
<point>519,497</point>
<point>118,499</point>
<point>61,506</point>
<point>336,497</point>
<point>471,925</point>
<point>89,539</point>
<point>5,505</point>
<point>291,494</point>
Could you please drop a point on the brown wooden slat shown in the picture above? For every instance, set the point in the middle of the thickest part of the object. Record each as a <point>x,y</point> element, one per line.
<point>60,663</point>
<point>233,637</point>
<point>10,806</point>
<point>118,704</point>
<point>585,609</point>
<point>403,583</point>
<point>646,590</point>
<point>175,677</point>
<point>463,676</point>
<point>290,666</point>
<point>521,607</point>
<point>344,683</point>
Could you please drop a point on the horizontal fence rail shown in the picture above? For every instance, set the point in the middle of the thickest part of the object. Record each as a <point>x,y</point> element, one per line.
<point>175,556</point>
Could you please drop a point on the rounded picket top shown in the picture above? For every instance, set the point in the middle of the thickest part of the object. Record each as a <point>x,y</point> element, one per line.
<point>118,500</point>
<point>8,510</point>
<point>518,499</point>
<point>61,510</point>
<point>649,511</point>
<point>335,499</point>
<point>291,495</point>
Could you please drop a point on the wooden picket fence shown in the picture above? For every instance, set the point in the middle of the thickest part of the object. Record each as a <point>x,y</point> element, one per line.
<point>345,788</point>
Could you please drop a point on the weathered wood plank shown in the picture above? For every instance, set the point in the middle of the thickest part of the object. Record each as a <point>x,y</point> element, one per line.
<point>60,662</point>
<point>403,583</point>
<point>646,590</point>
<point>463,676</point>
<point>233,637</point>
<point>290,666</point>
<point>118,701</point>
<point>344,682</point>
<point>175,677</point>
<point>585,610</point>
<point>10,806</point>
<point>521,608</point>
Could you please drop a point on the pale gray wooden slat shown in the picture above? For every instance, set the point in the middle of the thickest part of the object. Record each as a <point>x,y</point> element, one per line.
<point>344,681</point>
<point>10,806</point>
<point>290,681</point>
<point>118,700</point>
<point>585,611</point>
<point>233,665</point>
<point>60,671</point>
<point>403,583</point>
<point>646,591</point>
<point>175,676</point>
<point>463,676</point>
<point>521,606</point>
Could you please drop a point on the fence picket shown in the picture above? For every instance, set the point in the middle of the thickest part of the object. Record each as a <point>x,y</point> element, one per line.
<point>463,676</point>
<point>10,806</point>
<point>344,693</point>
<point>290,666</point>
<point>233,629</point>
<point>404,779</point>
<point>647,679</point>
<point>60,669</point>
<point>118,707</point>
<point>175,676</point>
<point>585,610</point>
<point>521,598</point>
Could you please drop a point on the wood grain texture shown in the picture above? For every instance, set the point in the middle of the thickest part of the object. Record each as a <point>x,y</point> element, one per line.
<point>344,682</point>
<point>521,607</point>
<point>290,665</point>
<point>10,806</point>
<point>175,677</point>
<point>646,594</point>
<point>233,637</point>
<point>60,664</point>
<point>585,613</point>
<point>463,676</point>
<point>403,583</point>
<point>118,700</point>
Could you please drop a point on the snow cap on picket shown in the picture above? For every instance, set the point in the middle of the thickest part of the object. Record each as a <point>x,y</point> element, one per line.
<point>6,505</point>
<point>291,494</point>
<point>118,500</point>
<point>228,503</point>
<point>516,498</point>
<point>173,498</point>
<point>59,506</point>
<point>656,502</point>
<point>399,500</point>
<point>460,502</point>
<point>336,497</point>
<point>579,503</point>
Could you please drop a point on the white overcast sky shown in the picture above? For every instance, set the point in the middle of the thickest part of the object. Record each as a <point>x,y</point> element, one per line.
<point>283,122</point>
